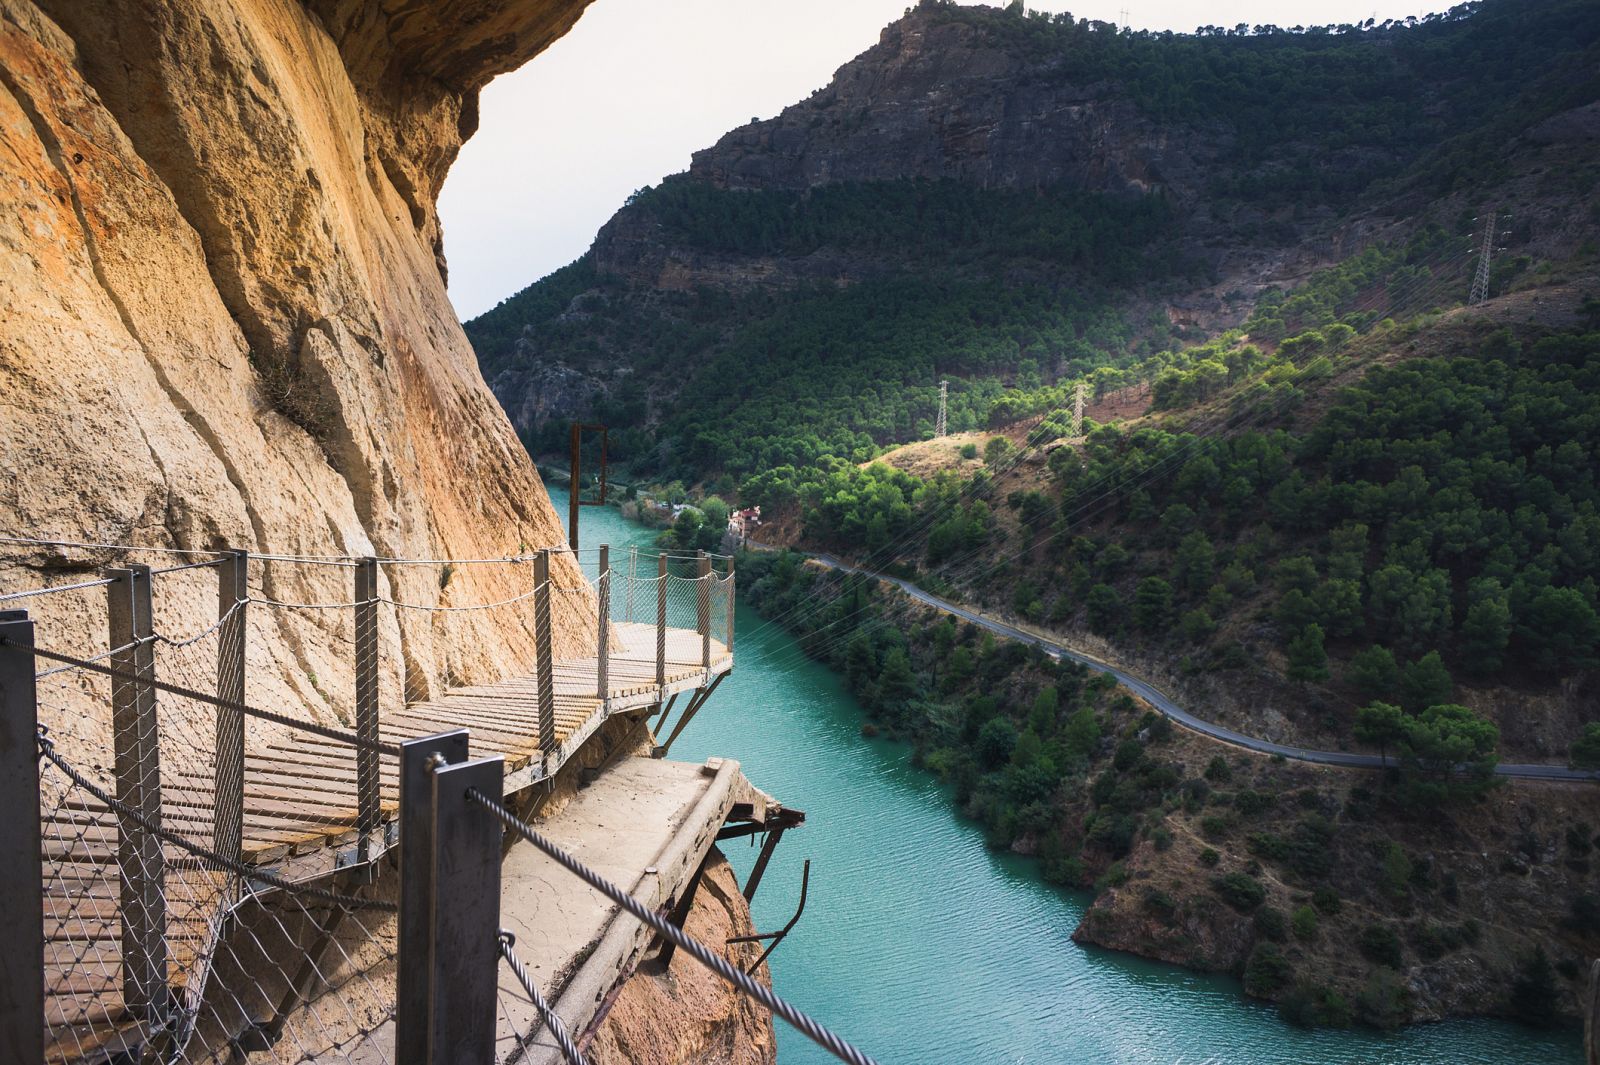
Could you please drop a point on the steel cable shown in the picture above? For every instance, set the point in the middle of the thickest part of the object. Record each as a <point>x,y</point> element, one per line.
<point>190,693</point>
<point>547,1013</point>
<point>747,985</point>
<point>248,873</point>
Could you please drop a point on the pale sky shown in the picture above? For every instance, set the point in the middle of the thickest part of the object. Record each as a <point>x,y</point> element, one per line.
<point>637,85</point>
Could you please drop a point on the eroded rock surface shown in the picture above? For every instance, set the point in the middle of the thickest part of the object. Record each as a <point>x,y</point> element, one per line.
<point>686,1015</point>
<point>223,295</point>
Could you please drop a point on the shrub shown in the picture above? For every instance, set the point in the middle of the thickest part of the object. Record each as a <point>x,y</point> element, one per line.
<point>1214,826</point>
<point>969,450</point>
<point>1380,945</point>
<point>1239,890</point>
<point>1267,845</point>
<point>1327,901</point>
<point>1159,904</point>
<point>1266,971</point>
<point>1218,771</point>
<point>1271,925</point>
<point>1384,1001</point>
<point>1209,857</point>
<point>1315,1006</point>
<point>1304,922</point>
<point>1249,802</point>
<point>1535,997</point>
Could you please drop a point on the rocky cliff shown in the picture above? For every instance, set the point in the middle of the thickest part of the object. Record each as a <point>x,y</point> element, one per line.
<point>224,308</point>
<point>684,1015</point>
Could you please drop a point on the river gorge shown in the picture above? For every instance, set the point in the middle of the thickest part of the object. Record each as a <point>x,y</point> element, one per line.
<point>925,945</point>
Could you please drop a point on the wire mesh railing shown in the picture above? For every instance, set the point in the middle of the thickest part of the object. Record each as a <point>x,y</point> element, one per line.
<point>218,783</point>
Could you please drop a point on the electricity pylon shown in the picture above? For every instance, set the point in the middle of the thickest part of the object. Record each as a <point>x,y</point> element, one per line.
<point>944,398</point>
<point>1480,280</point>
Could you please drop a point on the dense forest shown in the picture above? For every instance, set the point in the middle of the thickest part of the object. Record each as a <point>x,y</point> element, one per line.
<point>1012,290</point>
<point>1057,762</point>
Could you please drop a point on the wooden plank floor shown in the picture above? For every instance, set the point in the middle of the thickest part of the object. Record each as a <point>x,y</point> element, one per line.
<point>299,804</point>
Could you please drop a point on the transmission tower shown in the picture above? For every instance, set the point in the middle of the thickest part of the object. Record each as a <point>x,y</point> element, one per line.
<point>1480,280</point>
<point>944,399</point>
<point>1077,411</point>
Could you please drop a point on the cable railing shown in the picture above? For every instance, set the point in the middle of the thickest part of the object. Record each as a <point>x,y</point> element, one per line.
<point>217,769</point>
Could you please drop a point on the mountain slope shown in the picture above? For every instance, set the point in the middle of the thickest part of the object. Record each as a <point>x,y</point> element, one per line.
<point>1074,196</point>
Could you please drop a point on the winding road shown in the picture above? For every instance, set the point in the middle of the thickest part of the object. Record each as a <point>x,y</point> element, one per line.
<point>1163,703</point>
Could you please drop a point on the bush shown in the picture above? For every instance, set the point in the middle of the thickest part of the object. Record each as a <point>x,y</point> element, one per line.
<point>1535,997</point>
<point>1270,924</point>
<point>1160,905</point>
<point>1384,1001</point>
<point>1585,750</point>
<point>1209,857</point>
<point>1327,901</point>
<point>1244,893</point>
<point>1315,1006</point>
<point>1266,971</point>
<point>1380,945</point>
<point>969,450</point>
<point>1218,771</point>
<point>1214,826</point>
<point>1249,802</point>
<point>1304,922</point>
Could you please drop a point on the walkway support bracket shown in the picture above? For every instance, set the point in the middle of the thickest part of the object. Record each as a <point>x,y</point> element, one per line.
<point>368,810</point>
<point>233,597</point>
<point>22,918</point>
<point>136,740</point>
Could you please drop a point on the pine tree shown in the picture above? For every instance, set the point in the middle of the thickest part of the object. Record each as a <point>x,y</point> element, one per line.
<point>1308,660</point>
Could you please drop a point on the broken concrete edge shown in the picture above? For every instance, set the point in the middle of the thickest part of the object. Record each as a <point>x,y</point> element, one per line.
<point>624,941</point>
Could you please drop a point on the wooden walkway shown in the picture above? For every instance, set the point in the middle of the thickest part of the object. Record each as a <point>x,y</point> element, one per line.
<point>299,804</point>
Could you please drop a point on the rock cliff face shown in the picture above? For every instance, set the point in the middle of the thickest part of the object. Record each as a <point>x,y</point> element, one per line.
<point>941,99</point>
<point>225,319</point>
<point>685,1015</point>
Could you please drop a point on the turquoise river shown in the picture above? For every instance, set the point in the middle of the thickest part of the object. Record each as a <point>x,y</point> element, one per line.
<point>925,947</point>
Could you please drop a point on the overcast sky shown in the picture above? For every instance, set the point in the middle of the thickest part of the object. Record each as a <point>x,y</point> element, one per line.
<point>622,101</point>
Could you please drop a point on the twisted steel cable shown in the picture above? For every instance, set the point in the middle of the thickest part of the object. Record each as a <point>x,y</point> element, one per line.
<point>547,1013</point>
<point>338,736</point>
<point>47,749</point>
<point>747,985</point>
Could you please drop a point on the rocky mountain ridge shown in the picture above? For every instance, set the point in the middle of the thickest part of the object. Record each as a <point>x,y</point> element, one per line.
<point>1271,154</point>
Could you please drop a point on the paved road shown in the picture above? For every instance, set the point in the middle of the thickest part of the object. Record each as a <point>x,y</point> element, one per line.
<point>1162,702</point>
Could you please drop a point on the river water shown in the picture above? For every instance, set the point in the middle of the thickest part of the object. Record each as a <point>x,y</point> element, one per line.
<point>925,947</point>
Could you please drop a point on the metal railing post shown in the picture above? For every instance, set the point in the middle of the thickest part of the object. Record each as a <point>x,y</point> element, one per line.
<point>730,586</point>
<point>703,606</point>
<point>414,960</point>
<point>22,918</point>
<point>233,593</point>
<point>136,741</point>
<point>602,588</point>
<point>368,798</point>
<point>661,621</point>
<point>544,642</point>
<point>633,576</point>
<point>465,925</point>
